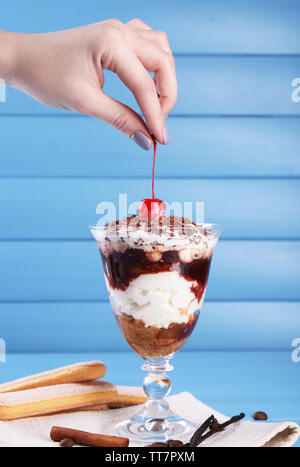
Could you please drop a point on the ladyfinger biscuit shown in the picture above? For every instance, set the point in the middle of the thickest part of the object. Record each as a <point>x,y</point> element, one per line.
<point>128,395</point>
<point>52,399</point>
<point>85,371</point>
<point>91,408</point>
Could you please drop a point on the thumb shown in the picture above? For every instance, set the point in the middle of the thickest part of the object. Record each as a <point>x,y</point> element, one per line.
<point>119,116</point>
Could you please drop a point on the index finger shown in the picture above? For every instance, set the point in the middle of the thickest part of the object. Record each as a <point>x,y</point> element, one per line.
<point>133,74</point>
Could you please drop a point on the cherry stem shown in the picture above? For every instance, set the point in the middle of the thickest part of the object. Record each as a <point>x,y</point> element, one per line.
<point>153,167</point>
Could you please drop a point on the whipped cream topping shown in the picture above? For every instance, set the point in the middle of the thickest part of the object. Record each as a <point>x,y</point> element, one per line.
<point>168,233</point>
<point>157,299</point>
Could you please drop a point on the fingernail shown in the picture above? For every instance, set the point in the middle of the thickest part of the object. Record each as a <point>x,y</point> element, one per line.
<point>166,135</point>
<point>141,140</point>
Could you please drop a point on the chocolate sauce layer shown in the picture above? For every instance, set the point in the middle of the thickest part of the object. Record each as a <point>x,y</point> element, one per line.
<point>122,268</point>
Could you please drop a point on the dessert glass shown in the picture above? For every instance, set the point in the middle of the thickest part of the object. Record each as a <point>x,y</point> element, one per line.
<point>156,280</point>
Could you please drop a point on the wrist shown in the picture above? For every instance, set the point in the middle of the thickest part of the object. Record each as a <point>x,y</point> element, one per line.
<point>7,55</point>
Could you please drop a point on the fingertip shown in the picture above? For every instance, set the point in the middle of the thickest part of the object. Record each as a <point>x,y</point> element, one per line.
<point>142,140</point>
<point>158,131</point>
<point>166,136</point>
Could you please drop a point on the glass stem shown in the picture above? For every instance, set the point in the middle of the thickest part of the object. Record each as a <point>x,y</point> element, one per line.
<point>157,386</point>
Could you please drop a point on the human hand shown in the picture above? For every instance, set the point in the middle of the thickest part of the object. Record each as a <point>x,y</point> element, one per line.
<point>64,69</point>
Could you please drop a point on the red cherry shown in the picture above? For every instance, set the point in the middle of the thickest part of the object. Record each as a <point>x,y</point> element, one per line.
<point>153,208</point>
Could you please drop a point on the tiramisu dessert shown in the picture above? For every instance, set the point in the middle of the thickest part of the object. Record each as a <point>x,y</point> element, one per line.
<point>156,269</point>
<point>156,272</point>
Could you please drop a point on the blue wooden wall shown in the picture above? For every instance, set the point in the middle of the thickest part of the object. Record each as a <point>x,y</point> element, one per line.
<point>235,144</point>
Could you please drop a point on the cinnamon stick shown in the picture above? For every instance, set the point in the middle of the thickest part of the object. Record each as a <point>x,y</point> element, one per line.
<point>90,439</point>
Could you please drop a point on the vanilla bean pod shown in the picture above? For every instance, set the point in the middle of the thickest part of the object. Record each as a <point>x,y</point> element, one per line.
<point>194,441</point>
<point>214,427</point>
<point>234,419</point>
<point>220,427</point>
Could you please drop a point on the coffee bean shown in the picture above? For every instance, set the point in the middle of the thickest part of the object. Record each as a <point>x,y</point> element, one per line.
<point>66,443</point>
<point>260,416</point>
<point>174,443</point>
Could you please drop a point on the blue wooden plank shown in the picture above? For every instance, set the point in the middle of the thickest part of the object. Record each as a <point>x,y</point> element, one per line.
<point>211,147</point>
<point>242,270</point>
<point>209,85</point>
<point>193,26</point>
<point>219,379</point>
<point>63,209</point>
<point>91,327</point>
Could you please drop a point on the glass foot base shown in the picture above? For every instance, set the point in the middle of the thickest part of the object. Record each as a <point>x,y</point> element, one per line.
<point>156,422</point>
<point>151,430</point>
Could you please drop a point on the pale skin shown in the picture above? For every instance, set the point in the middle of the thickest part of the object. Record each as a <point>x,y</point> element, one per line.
<point>64,69</point>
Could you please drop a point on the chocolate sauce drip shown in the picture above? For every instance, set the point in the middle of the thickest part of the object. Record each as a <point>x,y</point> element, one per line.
<point>197,270</point>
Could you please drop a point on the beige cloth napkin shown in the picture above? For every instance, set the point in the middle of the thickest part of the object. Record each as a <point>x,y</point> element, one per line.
<point>35,431</point>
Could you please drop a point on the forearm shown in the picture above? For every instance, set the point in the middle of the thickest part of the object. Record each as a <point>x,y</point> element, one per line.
<point>7,55</point>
